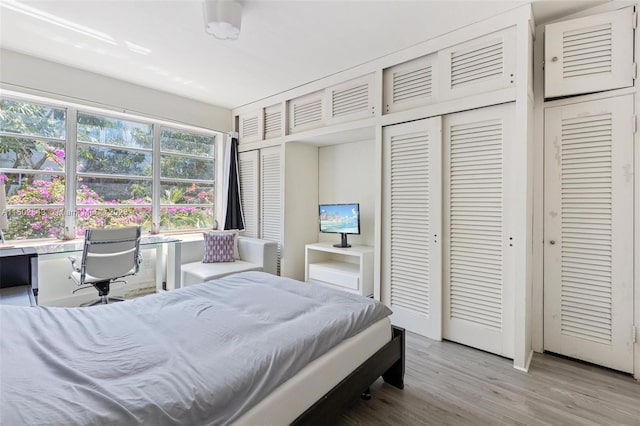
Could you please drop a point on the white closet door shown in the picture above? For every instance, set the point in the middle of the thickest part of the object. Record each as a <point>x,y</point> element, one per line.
<point>248,163</point>
<point>588,255</point>
<point>271,196</point>
<point>589,54</point>
<point>412,258</point>
<point>478,294</point>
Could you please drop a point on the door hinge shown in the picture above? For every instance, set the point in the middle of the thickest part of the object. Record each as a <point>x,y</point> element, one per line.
<point>635,124</point>
<point>634,334</point>
<point>634,70</point>
<point>634,22</point>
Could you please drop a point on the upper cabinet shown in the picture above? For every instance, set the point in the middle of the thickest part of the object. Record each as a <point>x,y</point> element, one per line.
<point>443,74</point>
<point>589,54</point>
<point>480,65</point>
<point>410,84</point>
<point>350,100</point>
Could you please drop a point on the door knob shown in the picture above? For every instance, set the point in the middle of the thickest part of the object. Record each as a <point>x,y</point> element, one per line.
<point>552,242</point>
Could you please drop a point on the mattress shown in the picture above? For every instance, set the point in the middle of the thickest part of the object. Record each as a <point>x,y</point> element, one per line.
<point>296,395</point>
<point>201,355</point>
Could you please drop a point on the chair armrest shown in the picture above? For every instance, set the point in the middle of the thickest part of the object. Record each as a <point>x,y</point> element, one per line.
<point>261,252</point>
<point>74,264</point>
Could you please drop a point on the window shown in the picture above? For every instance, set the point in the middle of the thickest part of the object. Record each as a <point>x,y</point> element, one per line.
<point>114,172</point>
<point>186,180</point>
<point>32,156</point>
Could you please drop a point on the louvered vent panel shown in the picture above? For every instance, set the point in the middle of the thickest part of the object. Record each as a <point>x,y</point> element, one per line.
<point>307,113</point>
<point>476,223</point>
<point>350,101</point>
<point>410,222</point>
<point>272,122</point>
<point>413,84</point>
<point>248,194</point>
<point>250,127</point>
<point>271,200</point>
<point>478,64</point>
<point>586,227</point>
<point>587,51</point>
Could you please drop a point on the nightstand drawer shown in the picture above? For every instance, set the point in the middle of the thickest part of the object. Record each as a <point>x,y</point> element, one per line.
<point>336,273</point>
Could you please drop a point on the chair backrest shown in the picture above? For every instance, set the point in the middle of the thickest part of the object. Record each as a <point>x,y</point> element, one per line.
<point>111,253</point>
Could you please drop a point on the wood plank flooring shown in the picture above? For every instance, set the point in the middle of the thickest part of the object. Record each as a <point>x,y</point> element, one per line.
<point>451,384</point>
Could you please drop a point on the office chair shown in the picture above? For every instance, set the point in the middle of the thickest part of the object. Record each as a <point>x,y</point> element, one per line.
<point>108,256</point>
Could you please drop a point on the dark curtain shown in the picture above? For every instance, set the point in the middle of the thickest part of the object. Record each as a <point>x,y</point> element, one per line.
<point>234,219</point>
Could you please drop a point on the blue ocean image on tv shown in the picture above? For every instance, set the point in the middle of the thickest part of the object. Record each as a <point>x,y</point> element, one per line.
<point>339,218</point>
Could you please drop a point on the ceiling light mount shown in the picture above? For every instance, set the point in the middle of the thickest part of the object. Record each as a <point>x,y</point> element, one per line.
<point>222,18</point>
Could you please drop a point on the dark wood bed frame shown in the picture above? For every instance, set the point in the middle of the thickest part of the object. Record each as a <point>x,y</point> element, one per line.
<point>388,362</point>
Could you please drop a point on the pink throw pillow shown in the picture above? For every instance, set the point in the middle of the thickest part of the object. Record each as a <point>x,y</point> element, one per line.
<point>218,247</point>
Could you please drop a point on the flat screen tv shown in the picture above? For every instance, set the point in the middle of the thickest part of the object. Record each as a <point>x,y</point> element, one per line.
<point>340,219</point>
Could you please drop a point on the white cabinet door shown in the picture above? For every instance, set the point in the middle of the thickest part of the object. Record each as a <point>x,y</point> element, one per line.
<point>589,54</point>
<point>477,293</point>
<point>411,253</point>
<point>588,255</point>
<point>271,196</point>
<point>248,170</point>
<point>250,127</point>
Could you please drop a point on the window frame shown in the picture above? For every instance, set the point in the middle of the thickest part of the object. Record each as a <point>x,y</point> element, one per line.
<point>71,144</point>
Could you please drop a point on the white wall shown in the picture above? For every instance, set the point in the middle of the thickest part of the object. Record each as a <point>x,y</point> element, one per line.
<point>347,175</point>
<point>28,74</point>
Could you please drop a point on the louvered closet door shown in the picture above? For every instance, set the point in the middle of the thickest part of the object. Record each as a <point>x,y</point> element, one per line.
<point>477,293</point>
<point>588,255</point>
<point>271,197</point>
<point>589,54</point>
<point>249,190</point>
<point>412,259</point>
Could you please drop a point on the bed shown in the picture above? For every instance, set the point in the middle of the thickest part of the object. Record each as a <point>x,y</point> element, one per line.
<point>247,349</point>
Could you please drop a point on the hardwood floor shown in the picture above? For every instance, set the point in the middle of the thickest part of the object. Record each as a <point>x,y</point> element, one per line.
<point>451,384</point>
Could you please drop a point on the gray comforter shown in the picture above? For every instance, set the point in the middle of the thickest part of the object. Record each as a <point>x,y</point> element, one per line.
<point>201,355</point>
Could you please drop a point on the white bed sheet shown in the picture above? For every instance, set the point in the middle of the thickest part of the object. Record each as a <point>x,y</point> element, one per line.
<point>300,392</point>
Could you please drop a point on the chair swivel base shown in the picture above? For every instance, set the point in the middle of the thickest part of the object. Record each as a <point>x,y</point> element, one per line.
<point>103,288</point>
<point>104,301</point>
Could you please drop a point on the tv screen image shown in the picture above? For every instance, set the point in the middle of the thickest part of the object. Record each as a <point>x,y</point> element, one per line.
<point>340,219</point>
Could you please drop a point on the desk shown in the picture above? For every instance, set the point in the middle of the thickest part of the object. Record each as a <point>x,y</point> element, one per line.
<point>159,242</point>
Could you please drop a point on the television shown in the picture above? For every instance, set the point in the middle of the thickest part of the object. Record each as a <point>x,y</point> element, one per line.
<point>340,219</point>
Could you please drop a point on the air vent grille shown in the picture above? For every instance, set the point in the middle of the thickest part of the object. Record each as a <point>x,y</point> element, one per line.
<point>478,64</point>
<point>410,226</point>
<point>586,296</point>
<point>412,84</point>
<point>587,51</point>
<point>307,113</point>
<point>476,189</point>
<point>273,122</point>
<point>349,101</point>
<point>250,127</point>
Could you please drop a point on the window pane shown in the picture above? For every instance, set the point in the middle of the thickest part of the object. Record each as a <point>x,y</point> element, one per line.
<point>113,161</point>
<point>186,143</point>
<point>32,119</point>
<point>94,190</point>
<point>35,223</point>
<point>88,217</point>
<point>173,166</point>
<point>186,217</point>
<point>111,131</point>
<point>25,188</point>
<point>31,154</point>
<point>184,193</point>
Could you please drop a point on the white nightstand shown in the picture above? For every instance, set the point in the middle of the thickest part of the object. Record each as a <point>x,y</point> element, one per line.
<point>349,269</point>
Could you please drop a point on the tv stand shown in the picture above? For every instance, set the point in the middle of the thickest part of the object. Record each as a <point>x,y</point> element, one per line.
<point>343,242</point>
<point>346,269</point>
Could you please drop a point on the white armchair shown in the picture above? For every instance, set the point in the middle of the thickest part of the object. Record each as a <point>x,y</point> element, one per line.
<point>255,255</point>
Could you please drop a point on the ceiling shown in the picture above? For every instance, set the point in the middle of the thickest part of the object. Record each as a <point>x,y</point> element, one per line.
<point>283,44</point>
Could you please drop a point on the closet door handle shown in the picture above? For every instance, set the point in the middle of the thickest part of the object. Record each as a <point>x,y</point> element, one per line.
<point>552,242</point>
